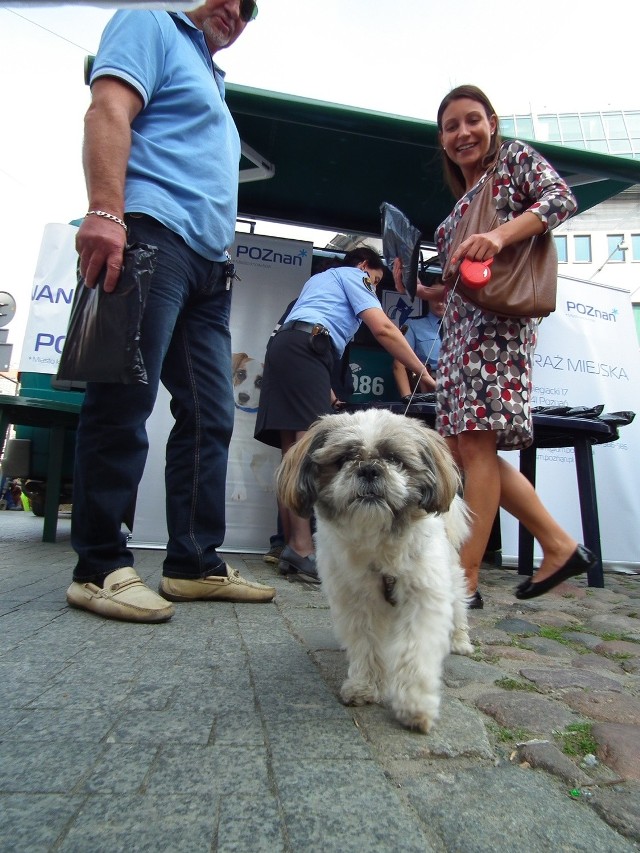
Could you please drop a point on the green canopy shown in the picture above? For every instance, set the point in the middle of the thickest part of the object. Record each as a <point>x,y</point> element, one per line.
<point>332,165</point>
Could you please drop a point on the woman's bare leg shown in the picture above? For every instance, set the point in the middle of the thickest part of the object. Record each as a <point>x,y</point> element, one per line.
<point>296,530</point>
<point>475,453</point>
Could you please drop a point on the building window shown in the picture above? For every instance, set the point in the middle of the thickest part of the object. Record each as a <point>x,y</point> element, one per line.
<point>507,126</point>
<point>592,126</point>
<point>582,248</point>
<point>616,248</point>
<point>570,127</point>
<point>549,128</point>
<point>615,126</point>
<point>524,126</point>
<point>561,247</point>
<point>632,121</point>
<point>620,146</point>
<point>635,247</point>
<point>600,145</point>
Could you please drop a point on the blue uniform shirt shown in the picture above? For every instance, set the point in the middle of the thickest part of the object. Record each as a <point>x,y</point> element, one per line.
<point>185,149</point>
<point>334,298</point>
<point>422,337</point>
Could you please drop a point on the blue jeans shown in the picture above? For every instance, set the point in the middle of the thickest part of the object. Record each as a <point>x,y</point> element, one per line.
<point>185,343</point>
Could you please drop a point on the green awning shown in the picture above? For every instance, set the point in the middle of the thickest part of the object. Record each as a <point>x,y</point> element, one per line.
<point>334,165</point>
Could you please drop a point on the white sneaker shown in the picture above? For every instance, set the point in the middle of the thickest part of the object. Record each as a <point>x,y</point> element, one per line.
<point>124,596</point>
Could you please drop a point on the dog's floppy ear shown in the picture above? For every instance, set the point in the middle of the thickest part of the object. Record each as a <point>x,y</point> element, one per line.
<point>236,360</point>
<point>296,476</point>
<point>442,478</point>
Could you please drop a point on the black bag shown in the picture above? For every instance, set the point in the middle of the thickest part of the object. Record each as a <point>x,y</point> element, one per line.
<point>102,343</point>
<point>400,239</point>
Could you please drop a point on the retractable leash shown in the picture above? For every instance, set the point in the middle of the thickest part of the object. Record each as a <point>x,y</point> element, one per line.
<point>474,274</point>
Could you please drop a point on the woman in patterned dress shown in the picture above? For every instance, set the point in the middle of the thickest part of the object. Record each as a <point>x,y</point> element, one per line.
<point>484,370</point>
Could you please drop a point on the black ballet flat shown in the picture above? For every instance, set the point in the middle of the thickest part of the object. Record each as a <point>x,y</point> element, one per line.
<point>579,562</point>
<point>476,602</point>
<point>297,567</point>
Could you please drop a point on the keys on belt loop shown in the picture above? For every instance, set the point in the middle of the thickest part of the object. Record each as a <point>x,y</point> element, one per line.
<point>230,273</point>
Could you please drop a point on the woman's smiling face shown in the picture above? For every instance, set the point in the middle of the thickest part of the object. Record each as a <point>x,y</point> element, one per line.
<point>466,136</point>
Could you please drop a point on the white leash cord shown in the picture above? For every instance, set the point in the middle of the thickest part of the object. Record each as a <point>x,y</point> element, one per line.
<point>433,343</point>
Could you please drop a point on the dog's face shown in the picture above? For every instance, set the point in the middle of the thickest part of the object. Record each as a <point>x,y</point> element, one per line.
<point>371,468</point>
<point>247,380</point>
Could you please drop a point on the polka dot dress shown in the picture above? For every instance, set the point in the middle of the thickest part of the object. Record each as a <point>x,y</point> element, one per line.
<point>484,375</point>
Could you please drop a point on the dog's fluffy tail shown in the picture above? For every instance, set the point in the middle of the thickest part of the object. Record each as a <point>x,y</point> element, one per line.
<point>458,522</point>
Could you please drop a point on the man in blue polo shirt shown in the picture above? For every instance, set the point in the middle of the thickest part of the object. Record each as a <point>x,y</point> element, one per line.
<point>161,158</point>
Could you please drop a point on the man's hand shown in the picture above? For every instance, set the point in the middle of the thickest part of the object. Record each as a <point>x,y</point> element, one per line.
<point>100,244</point>
<point>397,275</point>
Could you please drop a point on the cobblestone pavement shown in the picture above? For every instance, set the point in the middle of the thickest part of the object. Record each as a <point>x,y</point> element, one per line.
<point>222,731</point>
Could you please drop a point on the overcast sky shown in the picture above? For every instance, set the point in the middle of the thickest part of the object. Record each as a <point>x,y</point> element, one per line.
<point>398,57</point>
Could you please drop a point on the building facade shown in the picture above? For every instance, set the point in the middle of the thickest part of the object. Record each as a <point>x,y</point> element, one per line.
<point>602,244</point>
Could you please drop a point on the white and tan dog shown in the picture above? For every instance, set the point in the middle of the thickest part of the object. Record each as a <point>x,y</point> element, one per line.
<point>251,465</point>
<point>389,528</point>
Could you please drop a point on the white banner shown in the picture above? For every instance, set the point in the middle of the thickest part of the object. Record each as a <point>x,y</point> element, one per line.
<point>272,272</point>
<point>587,355</point>
<point>54,284</point>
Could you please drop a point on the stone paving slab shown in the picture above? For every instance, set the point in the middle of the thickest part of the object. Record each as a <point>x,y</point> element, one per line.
<point>222,730</point>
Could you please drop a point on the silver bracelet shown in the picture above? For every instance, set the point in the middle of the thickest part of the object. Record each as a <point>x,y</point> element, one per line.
<point>110,216</point>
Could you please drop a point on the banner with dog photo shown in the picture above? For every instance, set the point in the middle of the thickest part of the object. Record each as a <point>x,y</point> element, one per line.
<point>271,273</point>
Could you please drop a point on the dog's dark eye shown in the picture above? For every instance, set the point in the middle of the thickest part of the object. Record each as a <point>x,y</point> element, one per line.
<point>394,460</point>
<point>258,382</point>
<point>241,375</point>
<point>342,460</point>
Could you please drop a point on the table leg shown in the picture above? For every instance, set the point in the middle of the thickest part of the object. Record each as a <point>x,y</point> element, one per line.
<point>54,481</point>
<point>528,459</point>
<point>589,507</point>
<point>4,429</point>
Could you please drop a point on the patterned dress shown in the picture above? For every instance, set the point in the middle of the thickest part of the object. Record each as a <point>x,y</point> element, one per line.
<point>484,370</point>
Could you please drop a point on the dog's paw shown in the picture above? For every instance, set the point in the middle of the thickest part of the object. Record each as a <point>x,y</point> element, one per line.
<point>461,644</point>
<point>353,693</point>
<point>417,721</point>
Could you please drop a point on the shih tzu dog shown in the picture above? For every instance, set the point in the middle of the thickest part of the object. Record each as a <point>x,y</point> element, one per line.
<point>389,525</point>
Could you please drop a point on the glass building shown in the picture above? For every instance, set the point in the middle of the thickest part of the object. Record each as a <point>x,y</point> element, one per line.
<point>608,132</point>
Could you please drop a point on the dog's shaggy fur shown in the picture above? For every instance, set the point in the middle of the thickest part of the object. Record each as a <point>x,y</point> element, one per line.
<point>389,527</point>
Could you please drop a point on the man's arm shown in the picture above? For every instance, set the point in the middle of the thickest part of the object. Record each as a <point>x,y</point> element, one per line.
<point>391,338</point>
<point>107,143</point>
<point>401,377</point>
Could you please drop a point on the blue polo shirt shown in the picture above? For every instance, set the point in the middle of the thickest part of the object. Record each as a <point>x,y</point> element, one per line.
<point>422,337</point>
<point>185,149</point>
<point>334,298</point>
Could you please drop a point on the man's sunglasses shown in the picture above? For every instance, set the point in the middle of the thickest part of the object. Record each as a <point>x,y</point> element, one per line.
<point>248,10</point>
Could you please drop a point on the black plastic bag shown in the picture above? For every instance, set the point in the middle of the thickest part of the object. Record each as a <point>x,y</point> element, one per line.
<point>618,418</point>
<point>102,343</point>
<point>400,239</point>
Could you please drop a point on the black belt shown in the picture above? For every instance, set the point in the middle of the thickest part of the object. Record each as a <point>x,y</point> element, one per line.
<point>303,326</point>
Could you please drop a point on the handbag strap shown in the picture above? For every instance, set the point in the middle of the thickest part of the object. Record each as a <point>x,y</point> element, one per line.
<point>480,213</point>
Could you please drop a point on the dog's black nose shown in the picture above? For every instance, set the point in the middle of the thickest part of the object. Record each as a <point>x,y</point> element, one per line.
<point>243,398</point>
<point>369,472</point>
